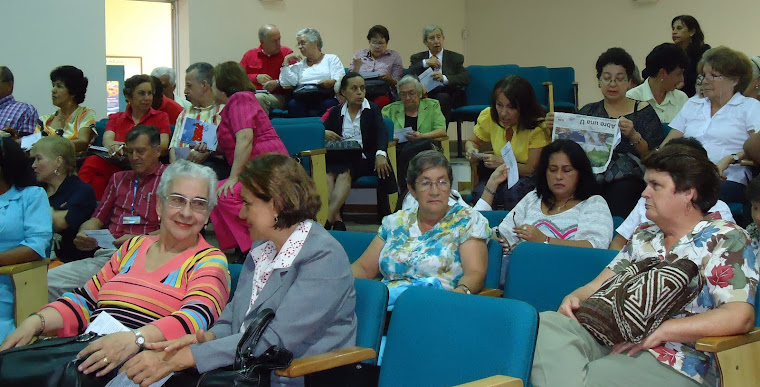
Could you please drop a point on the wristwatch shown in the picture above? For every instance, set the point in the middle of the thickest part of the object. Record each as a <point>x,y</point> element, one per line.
<point>736,158</point>
<point>139,340</point>
<point>465,288</point>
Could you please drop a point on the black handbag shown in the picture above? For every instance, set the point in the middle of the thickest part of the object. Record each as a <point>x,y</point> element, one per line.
<point>312,93</point>
<point>376,87</point>
<point>48,362</point>
<point>247,369</point>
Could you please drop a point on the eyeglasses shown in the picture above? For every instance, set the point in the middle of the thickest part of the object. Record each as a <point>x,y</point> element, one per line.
<point>711,77</point>
<point>408,94</point>
<point>179,201</point>
<point>700,79</point>
<point>610,80</point>
<point>377,44</point>
<point>443,185</point>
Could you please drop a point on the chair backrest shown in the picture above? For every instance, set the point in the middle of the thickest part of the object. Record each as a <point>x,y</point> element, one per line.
<point>234,269</point>
<point>536,75</point>
<point>482,81</point>
<point>494,264</point>
<point>542,274</point>
<point>353,242</point>
<point>441,338</point>
<point>293,121</point>
<point>562,78</point>
<point>617,221</point>
<point>666,128</point>
<point>371,305</point>
<point>100,127</point>
<point>494,217</point>
<point>389,127</point>
<point>303,136</point>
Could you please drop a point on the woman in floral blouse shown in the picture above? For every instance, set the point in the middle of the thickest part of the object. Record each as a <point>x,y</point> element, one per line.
<point>436,244</point>
<point>682,184</point>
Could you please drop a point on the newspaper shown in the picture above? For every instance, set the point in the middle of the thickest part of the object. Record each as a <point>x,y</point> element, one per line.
<point>597,136</point>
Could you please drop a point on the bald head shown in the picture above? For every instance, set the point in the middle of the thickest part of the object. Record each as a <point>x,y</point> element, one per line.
<point>269,36</point>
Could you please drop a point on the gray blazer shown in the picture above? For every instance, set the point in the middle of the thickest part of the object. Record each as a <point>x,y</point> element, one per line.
<point>314,302</point>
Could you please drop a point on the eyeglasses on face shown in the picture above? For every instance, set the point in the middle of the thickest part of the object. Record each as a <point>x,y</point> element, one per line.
<point>619,81</point>
<point>179,201</point>
<point>711,77</point>
<point>426,185</point>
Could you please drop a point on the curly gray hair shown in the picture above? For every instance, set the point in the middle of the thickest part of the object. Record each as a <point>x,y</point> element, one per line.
<point>312,35</point>
<point>184,168</point>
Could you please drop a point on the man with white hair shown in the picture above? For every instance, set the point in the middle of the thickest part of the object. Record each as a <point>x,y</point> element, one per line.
<point>168,79</point>
<point>263,66</point>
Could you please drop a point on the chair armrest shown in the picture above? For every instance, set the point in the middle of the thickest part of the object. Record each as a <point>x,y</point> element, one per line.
<point>313,152</point>
<point>495,381</point>
<point>18,268</point>
<point>723,343</point>
<point>488,292</point>
<point>326,361</point>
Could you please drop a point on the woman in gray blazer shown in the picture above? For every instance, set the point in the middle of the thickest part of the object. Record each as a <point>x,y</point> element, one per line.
<point>298,270</point>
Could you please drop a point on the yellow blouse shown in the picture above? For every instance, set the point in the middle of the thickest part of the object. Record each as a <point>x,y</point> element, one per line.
<point>80,119</point>
<point>522,140</point>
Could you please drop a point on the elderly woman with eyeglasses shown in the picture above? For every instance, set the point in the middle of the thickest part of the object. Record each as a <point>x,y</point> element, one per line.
<point>724,120</point>
<point>435,244</point>
<point>378,59</point>
<point>161,287</point>
<point>640,130</point>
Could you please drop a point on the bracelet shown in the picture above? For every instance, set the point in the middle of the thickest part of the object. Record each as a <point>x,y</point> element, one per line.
<point>42,329</point>
<point>465,288</point>
<point>641,138</point>
<point>485,187</point>
<point>546,240</point>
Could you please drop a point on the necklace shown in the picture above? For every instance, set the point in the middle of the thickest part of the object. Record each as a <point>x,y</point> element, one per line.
<point>559,208</point>
<point>309,61</point>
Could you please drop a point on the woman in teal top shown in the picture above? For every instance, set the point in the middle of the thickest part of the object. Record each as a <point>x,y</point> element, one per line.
<point>423,115</point>
<point>27,226</point>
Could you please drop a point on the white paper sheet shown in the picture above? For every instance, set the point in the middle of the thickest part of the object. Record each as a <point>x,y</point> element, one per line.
<point>105,324</point>
<point>99,148</point>
<point>371,75</point>
<point>400,134</point>
<point>28,141</point>
<point>509,158</point>
<point>103,236</point>
<point>181,152</point>
<point>426,78</point>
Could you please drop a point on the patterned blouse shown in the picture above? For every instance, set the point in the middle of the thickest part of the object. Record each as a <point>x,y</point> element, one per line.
<point>408,254</point>
<point>81,119</point>
<point>184,295</point>
<point>721,251</point>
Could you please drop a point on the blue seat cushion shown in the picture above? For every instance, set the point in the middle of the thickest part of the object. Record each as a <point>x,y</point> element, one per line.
<point>365,182</point>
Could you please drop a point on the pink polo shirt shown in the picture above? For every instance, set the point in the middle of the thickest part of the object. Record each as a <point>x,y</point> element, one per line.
<point>242,111</point>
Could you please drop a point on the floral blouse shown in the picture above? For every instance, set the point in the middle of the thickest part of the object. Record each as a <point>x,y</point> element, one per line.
<point>720,249</point>
<point>408,254</point>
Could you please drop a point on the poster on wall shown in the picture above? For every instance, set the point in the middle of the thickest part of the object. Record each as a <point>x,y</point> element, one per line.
<point>112,98</point>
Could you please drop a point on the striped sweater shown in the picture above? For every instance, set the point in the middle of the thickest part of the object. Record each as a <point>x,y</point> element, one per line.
<point>186,294</point>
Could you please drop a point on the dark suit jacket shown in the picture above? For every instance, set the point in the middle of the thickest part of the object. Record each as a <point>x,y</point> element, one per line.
<point>374,133</point>
<point>314,302</point>
<point>452,67</point>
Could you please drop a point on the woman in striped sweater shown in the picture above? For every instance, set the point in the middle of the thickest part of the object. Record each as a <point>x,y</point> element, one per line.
<point>161,287</point>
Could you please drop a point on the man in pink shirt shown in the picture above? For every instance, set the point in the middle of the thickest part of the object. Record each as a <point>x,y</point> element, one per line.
<point>263,67</point>
<point>127,209</point>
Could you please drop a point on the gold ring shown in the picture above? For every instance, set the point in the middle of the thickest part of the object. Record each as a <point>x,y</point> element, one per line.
<point>105,360</point>
<point>525,228</point>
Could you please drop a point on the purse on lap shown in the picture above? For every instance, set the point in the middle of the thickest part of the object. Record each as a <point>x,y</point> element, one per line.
<point>48,362</point>
<point>247,370</point>
<point>312,93</point>
<point>632,304</point>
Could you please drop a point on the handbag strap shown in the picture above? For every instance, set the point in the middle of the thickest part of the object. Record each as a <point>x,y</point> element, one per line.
<point>251,337</point>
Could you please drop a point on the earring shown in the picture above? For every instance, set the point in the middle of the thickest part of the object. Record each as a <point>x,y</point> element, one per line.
<point>276,218</point>
<point>599,84</point>
<point>661,80</point>
<point>159,218</point>
<point>56,172</point>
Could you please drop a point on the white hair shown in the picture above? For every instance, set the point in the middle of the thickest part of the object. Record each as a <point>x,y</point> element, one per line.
<point>159,72</point>
<point>429,30</point>
<point>311,35</point>
<point>409,78</point>
<point>184,168</point>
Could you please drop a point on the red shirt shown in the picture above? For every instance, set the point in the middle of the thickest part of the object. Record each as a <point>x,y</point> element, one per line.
<point>121,123</point>
<point>256,62</point>
<point>242,111</point>
<point>170,107</point>
<point>118,200</point>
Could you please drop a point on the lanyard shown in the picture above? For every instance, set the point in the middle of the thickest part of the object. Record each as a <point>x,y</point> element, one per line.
<point>134,195</point>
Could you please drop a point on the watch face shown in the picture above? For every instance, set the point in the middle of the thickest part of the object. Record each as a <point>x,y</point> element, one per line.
<point>140,340</point>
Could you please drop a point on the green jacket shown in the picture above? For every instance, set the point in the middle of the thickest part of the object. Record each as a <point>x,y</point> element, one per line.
<point>429,116</point>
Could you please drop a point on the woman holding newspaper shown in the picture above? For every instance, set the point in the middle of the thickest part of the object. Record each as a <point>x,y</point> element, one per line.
<point>640,130</point>
<point>512,121</point>
<point>160,287</point>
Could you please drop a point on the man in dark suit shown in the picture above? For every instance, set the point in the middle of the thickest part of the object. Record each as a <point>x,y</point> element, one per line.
<point>448,67</point>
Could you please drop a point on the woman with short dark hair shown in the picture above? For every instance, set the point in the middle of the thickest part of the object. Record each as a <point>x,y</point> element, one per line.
<point>662,77</point>
<point>71,120</point>
<point>297,269</point>
<point>640,130</point>
<point>688,35</point>
<point>724,120</point>
<point>682,185</point>
<point>514,117</point>
<point>565,208</point>
<point>244,132</point>
<point>379,59</point>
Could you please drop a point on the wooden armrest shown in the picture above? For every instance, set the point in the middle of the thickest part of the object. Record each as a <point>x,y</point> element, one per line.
<point>546,83</point>
<point>313,152</point>
<point>495,381</point>
<point>488,292</point>
<point>326,361</point>
<point>723,343</point>
<point>18,268</point>
<point>441,138</point>
<point>575,83</point>
<point>747,163</point>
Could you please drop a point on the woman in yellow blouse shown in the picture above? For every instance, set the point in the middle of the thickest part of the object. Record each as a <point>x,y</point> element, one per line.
<point>71,120</point>
<point>514,119</point>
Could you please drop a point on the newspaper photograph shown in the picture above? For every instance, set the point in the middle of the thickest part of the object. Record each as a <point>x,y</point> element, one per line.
<point>597,136</point>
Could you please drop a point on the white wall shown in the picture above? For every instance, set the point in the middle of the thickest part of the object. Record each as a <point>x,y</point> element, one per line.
<point>41,35</point>
<point>574,33</point>
<point>140,28</point>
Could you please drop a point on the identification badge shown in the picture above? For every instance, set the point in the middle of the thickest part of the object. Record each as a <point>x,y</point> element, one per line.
<point>131,220</point>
